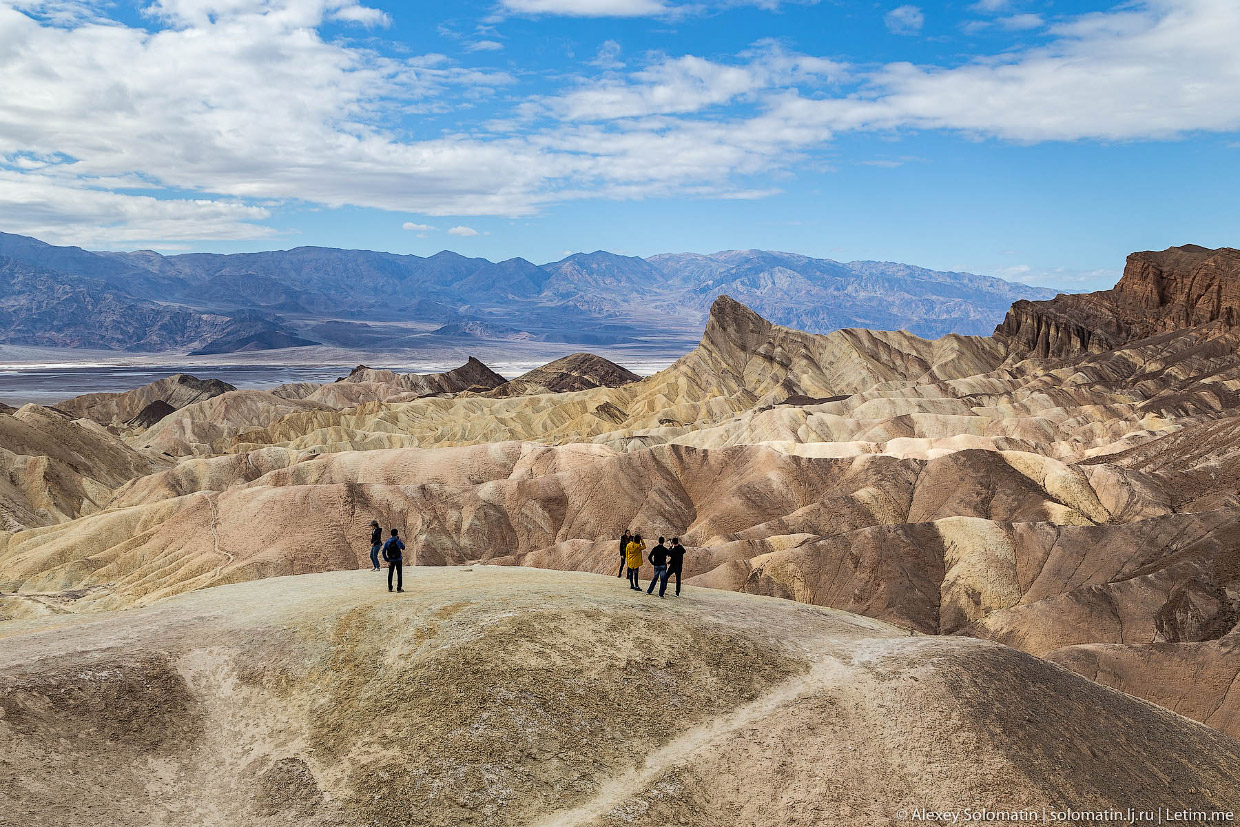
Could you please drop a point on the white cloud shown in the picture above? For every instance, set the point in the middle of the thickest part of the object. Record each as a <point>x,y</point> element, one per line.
<point>484,46</point>
<point>1021,22</point>
<point>463,232</point>
<point>1157,71</point>
<point>1012,23</point>
<point>364,15</point>
<point>904,20</point>
<point>261,109</point>
<point>59,209</point>
<point>632,8</point>
<point>420,229</point>
<point>691,84</point>
<point>991,5</point>
<point>608,55</point>
<point>588,8</point>
<point>1060,277</point>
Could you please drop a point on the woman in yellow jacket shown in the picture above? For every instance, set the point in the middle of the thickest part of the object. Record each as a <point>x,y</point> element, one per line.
<point>633,552</point>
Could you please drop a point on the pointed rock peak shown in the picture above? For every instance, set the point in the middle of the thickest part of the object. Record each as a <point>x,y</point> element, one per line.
<point>477,373</point>
<point>728,313</point>
<point>734,330</point>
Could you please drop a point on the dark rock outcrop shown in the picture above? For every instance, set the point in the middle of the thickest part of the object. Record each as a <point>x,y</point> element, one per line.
<point>473,375</point>
<point>151,414</point>
<point>1196,611</point>
<point>578,372</point>
<point>1160,292</point>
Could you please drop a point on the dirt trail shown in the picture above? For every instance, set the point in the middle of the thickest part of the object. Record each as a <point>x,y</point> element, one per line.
<point>215,539</point>
<point>826,672</point>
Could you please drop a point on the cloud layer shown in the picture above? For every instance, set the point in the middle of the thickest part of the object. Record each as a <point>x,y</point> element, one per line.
<point>201,124</point>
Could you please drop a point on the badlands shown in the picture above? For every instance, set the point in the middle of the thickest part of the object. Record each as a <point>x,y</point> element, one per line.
<point>974,572</point>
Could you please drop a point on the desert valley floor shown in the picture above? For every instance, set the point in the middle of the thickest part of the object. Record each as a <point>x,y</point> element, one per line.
<point>967,572</point>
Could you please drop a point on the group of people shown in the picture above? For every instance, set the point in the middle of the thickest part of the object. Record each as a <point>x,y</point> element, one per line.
<point>392,552</point>
<point>667,560</point>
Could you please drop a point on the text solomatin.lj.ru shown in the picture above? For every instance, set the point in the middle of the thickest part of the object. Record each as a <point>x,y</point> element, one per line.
<point>1132,815</point>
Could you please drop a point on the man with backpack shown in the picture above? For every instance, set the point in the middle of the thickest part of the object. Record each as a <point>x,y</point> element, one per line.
<point>392,555</point>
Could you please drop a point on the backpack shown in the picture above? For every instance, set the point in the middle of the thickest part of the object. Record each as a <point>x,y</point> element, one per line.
<point>392,549</point>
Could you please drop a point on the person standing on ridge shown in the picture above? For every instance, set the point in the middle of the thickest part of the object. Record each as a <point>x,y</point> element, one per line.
<point>392,555</point>
<point>633,556</point>
<point>376,543</point>
<point>675,562</point>
<point>624,547</point>
<point>658,559</point>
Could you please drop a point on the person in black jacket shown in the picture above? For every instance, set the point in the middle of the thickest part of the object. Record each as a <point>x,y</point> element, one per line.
<point>675,563</point>
<point>658,559</point>
<point>624,547</point>
<point>392,555</point>
<point>376,543</point>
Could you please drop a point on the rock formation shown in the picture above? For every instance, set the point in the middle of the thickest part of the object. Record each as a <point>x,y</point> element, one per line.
<point>1160,292</point>
<point>578,372</point>
<point>1081,505</point>
<point>175,392</point>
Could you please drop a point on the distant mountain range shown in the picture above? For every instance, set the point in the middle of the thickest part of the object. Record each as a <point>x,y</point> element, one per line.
<point>206,303</point>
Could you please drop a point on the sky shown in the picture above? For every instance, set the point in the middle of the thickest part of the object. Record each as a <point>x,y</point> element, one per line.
<point>1036,140</point>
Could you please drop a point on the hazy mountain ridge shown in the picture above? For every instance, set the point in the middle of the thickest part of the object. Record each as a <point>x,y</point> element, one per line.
<point>41,306</point>
<point>310,295</point>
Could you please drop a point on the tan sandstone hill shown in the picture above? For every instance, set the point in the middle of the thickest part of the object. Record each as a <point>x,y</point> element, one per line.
<point>139,406</point>
<point>53,468</point>
<point>487,696</point>
<point>365,384</point>
<point>744,363</point>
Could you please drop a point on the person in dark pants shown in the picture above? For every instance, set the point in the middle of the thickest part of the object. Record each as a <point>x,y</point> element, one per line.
<point>633,556</point>
<point>392,555</point>
<point>675,563</point>
<point>658,559</point>
<point>376,543</point>
<point>624,547</point>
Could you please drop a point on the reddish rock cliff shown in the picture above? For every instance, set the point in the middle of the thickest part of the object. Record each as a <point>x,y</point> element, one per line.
<point>1174,289</point>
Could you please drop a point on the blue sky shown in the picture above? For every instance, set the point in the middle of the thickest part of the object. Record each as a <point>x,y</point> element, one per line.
<point>1037,140</point>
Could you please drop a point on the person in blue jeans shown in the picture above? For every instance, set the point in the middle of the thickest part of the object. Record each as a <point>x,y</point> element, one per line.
<point>675,562</point>
<point>658,559</point>
<point>392,555</point>
<point>376,543</point>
